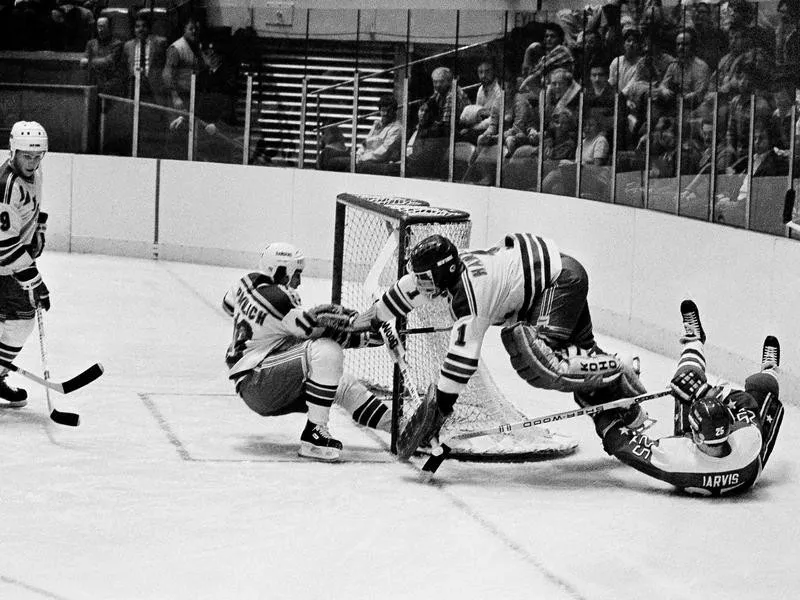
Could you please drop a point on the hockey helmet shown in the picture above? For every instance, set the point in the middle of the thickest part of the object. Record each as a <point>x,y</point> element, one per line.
<point>280,259</point>
<point>435,265</point>
<point>27,136</point>
<point>710,420</point>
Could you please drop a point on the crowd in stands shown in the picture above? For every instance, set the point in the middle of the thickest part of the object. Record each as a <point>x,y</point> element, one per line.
<point>693,68</point>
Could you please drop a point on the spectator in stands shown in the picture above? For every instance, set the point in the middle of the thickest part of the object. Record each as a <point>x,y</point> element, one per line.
<point>741,51</point>
<point>563,92</point>
<point>56,31</point>
<point>183,58</point>
<point>687,76</point>
<point>332,151</point>
<point>380,151</point>
<point>787,39</point>
<point>599,93</point>
<point>442,79</point>
<point>623,68</point>
<point>104,60</point>
<point>475,119</point>
<point>594,152</point>
<point>744,14</point>
<point>781,120</point>
<point>147,53</point>
<point>557,56</point>
<point>713,43</point>
<point>561,139</point>
<point>426,147</point>
<point>738,130</point>
<point>766,163</point>
<point>589,51</point>
<point>649,73</point>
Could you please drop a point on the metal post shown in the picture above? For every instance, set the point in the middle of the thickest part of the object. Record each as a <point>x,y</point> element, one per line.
<point>137,97</point>
<point>540,164</point>
<point>679,155</point>
<point>354,125</point>
<point>647,152</point>
<point>498,173</point>
<point>301,159</point>
<point>712,185</point>
<point>102,124</point>
<point>404,130</point>
<point>453,123</point>
<point>192,91</point>
<point>615,149</point>
<point>579,153</point>
<point>750,162</point>
<point>248,109</point>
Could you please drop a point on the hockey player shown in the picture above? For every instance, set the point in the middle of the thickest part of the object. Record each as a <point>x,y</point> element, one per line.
<point>723,437</point>
<point>525,284</point>
<point>283,362</point>
<point>22,232</point>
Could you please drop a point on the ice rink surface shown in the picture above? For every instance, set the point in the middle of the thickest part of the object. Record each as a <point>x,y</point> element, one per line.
<point>172,489</point>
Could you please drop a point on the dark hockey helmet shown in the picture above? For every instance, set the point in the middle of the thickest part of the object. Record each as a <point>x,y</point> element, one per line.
<point>710,420</point>
<point>435,265</point>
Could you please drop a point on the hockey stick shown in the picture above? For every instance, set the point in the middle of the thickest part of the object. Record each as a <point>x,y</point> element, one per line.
<point>435,460</point>
<point>83,378</point>
<point>62,418</point>
<point>419,421</point>
<point>416,330</point>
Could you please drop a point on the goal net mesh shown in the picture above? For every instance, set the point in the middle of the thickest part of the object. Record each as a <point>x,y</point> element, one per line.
<point>373,257</point>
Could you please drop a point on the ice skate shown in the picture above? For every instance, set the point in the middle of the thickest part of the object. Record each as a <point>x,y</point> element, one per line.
<point>316,442</point>
<point>14,397</point>
<point>771,353</point>
<point>693,329</point>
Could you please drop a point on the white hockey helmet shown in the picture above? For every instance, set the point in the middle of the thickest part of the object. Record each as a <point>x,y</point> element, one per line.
<point>281,254</point>
<point>27,136</point>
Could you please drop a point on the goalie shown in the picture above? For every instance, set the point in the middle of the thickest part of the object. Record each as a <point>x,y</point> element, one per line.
<point>282,360</point>
<point>723,437</point>
<point>524,283</point>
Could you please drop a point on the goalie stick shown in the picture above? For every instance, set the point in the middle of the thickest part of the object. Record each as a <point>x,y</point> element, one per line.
<point>441,453</point>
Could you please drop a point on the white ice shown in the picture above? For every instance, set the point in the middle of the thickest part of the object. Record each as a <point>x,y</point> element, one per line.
<point>172,489</point>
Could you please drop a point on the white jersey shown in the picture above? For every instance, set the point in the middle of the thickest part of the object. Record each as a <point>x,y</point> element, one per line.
<point>20,200</point>
<point>498,286</point>
<point>267,318</point>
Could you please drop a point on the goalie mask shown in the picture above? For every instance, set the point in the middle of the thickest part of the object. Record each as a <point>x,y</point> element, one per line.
<point>27,136</point>
<point>710,421</point>
<point>434,264</point>
<point>279,260</point>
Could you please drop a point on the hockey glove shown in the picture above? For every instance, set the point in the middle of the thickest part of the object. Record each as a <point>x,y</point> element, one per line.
<point>31,281</point>
<point>688,384</point>
<point>37,243</point>
<point>332,316</point>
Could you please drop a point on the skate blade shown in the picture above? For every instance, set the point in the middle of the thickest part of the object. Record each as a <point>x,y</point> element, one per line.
<point>321,453</point>
<point>9,404</point>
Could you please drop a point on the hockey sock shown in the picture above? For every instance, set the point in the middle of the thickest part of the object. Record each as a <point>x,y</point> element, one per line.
<point>319,398</point>
<point>373,413</point>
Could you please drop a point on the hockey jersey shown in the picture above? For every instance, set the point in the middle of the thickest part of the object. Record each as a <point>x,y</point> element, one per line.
<point>267,318</point>
<point>678,461</point>
<point>498,286</point>
<point>20,199</point>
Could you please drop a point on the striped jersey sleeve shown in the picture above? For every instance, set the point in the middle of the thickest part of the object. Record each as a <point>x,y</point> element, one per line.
<point>463,353</point>
<point>400,299</point>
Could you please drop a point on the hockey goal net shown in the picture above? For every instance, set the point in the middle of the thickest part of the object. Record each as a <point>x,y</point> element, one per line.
<point>372,239</point>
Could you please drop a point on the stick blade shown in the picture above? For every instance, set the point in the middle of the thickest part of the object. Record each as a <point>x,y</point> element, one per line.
<point>82,379</point>
<point>433,463</point>
<point>65,418</point>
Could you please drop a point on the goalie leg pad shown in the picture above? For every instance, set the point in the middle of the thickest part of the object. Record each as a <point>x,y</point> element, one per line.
<point>569,370</point>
